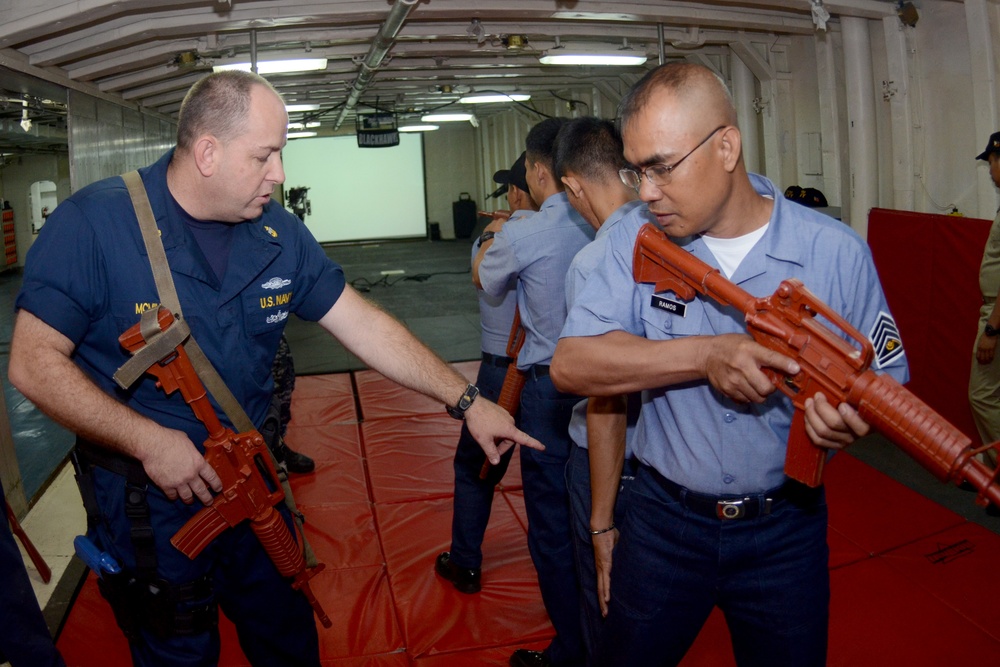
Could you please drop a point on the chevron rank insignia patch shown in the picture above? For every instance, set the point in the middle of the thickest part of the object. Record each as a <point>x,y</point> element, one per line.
<point>885,339</point>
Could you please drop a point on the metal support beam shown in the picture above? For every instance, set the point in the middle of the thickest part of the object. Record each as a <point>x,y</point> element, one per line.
<point>765,105</point>
<point>897,89</point>
<point>861,134</point>
<point>829,118</point>
<point>744,93</point>
<point>980,20</point>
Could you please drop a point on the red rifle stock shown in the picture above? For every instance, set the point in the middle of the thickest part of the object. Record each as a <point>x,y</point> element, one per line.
<point>250,482</point>
<point>513,381</point>
<point>786,322</point>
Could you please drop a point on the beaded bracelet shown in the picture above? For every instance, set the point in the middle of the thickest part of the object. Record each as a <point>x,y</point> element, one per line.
<point>603,530</point>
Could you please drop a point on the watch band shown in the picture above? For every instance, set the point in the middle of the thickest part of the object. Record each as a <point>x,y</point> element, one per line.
<point>464,403</point>
<point>486,236</point>
<point>990,331</point>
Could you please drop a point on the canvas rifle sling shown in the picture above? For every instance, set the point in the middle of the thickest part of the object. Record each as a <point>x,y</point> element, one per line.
<point>214,383</point>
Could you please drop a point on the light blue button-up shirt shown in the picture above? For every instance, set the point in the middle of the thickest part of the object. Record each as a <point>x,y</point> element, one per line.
<point>496,313</point>
<point>534,253</point>
<point>585,262</point>
<point>690,432</point>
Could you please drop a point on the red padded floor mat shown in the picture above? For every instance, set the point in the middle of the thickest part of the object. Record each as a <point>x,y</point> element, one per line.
<point>381,398</point>
<point>875,511</point>
<point>911,580</point>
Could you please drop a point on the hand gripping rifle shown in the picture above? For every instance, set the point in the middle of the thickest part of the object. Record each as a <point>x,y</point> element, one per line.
<point>513,381</point>
<point>251,487</point>
<point>786,322</point>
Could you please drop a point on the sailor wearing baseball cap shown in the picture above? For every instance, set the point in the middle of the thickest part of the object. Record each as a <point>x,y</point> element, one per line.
<point>992,147</point>
<point>984,381</point>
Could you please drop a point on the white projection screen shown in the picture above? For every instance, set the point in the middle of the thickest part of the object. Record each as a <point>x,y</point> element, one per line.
<point>359,194</point>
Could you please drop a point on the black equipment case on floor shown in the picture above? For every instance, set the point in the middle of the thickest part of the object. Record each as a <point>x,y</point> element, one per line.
<point>464,213</point>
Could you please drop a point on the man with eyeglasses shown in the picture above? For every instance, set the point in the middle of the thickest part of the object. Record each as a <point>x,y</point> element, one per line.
<point>712,432</point>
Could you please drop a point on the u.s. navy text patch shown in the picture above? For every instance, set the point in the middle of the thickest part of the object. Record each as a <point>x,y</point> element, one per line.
<point>885,339</point>
<point>669,305</point>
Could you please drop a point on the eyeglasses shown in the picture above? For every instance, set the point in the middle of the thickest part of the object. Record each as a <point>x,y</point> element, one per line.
<point>659,174</point>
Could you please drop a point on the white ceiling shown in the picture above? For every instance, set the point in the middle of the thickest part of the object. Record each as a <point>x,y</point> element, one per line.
<point>131,49</point>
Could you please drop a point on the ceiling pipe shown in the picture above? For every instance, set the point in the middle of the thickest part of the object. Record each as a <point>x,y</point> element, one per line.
<point>659,43</point>
<point>253,50</point>
<point>384,41</point>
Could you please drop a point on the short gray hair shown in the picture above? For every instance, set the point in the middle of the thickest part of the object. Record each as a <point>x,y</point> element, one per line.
<point>218,104</point>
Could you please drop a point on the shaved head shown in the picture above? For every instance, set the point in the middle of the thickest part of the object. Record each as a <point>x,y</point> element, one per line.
<point>695,87</point>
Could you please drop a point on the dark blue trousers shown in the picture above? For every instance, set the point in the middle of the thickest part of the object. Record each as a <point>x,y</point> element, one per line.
<point>578,481</point>
<point>274,622</point>
<point>24,639</point>
<point>767,574</point>
<point>545,414</point>
<point>474,496</point>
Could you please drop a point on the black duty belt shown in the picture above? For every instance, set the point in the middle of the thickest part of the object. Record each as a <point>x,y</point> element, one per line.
<point>746,506</point>
<point>496,360</point>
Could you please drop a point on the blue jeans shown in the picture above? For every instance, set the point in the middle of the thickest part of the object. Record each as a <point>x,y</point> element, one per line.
<point>578,481</point>
<point>545,414</point>
<point>769,576</point>
<point>473,496</point>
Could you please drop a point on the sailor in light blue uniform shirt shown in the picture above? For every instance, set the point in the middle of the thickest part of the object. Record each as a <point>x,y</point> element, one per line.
<point>578,467</point>
<point>718,446</point>
<point>711,518</point>
<point>583,265</point>
<point>535,254</point>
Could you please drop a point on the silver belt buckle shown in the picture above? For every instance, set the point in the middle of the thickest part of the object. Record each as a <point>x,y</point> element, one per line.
<point>727,510</point>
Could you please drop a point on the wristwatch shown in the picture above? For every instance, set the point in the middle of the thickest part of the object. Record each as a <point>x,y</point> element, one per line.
<point>990,331</point>
<point>486,236</point>
<point>464,403</point>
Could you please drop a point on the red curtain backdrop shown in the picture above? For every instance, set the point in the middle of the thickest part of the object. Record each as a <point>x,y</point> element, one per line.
<point>929,267</point>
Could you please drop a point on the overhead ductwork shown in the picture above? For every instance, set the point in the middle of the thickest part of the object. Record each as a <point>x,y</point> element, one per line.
<point>383,42</point>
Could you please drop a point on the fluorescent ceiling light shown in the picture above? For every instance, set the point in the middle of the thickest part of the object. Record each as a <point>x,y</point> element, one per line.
<point>576,57</point>
<point>418,128</point>
<point>292,108</point>
<point>302,126</point>
<point>591,54</point>
<point>445,117</point>
<point>300,135</point>
<point>494,97</point>
<point>278,66</point>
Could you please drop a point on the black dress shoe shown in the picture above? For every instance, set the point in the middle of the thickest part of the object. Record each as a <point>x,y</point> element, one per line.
<point>294,461</point>
<point>522,657</point>
<point>466,580</point>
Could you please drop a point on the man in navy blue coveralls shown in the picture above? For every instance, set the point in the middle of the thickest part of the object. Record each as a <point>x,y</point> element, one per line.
<point>534,254</point>
<point>241,264</point>
<point>711,519</point>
